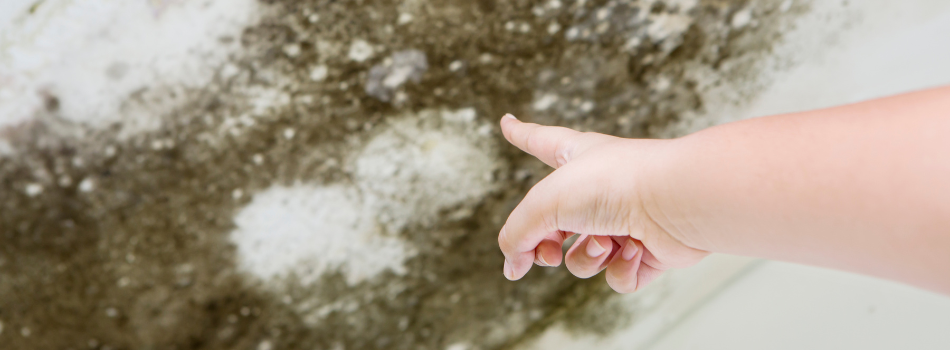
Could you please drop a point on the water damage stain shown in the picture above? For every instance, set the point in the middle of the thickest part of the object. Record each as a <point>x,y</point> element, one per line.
<point>116,242</point>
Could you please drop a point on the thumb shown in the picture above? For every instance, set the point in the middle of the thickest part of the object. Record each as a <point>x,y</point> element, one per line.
<point>569,200</point>
<point>553,145</point>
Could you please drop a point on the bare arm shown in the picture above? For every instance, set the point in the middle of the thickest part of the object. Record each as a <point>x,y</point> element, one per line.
<point>864,187</point>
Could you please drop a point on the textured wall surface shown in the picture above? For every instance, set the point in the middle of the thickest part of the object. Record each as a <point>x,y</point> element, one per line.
<point>329,174</point>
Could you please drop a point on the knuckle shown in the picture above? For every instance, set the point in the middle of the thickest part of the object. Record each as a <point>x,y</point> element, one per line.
<point>531,139</point>
<point>622,288</point>
<point>581,269</point>
<point>646,277</point>
<point>562,154</point>
<point>622,285</point>
<point>565,149</point>
<point>534,198</point>
<point>503,240</point>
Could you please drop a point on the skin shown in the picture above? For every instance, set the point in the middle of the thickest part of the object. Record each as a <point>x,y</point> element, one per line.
<point>863,188</point>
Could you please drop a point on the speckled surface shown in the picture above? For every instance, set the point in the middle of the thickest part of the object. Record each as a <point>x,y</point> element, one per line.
<point>121,211</point>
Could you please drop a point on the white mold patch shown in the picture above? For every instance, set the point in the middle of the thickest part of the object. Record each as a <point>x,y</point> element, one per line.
<point>306,230</point>
<point>665,26</point>
<point>411,173</point>
<point>106,62</point>
<point>360,50</point>
<point>417,169</point>
<point>544,102</point>
<point>742,18</point>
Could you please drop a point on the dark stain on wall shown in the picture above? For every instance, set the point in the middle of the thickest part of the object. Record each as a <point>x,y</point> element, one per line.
<point>113,242</point>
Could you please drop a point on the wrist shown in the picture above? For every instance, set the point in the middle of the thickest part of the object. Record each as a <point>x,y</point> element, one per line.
<point>664,202</point>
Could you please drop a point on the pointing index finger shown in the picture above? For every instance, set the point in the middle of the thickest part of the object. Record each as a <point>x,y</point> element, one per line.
<point>551,144</point>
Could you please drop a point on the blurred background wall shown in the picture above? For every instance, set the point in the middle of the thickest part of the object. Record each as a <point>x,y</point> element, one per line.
<point>329,175</point>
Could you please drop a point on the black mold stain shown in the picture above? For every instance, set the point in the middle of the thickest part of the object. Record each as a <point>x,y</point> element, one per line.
<point>126,246</point>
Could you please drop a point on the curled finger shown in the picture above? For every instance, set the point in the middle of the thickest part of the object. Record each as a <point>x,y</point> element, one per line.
<point>590,255</point>
<point>623,269</point>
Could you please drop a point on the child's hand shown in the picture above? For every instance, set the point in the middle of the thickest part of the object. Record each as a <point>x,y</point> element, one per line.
<point>601,190</point>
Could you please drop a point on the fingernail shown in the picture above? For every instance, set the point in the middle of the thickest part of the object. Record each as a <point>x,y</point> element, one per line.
<point>541,259</point>
<point>510,116</point>
<point>594,249</point>
<point>509,273</point>
<point>629,251</point>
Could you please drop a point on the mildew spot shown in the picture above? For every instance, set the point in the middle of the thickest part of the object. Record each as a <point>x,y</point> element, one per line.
<point>268,200</point>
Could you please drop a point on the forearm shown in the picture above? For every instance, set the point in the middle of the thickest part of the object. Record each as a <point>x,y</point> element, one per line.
<point>864,187</point>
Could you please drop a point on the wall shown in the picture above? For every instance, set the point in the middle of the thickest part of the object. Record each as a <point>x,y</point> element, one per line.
<point>318,174</point>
